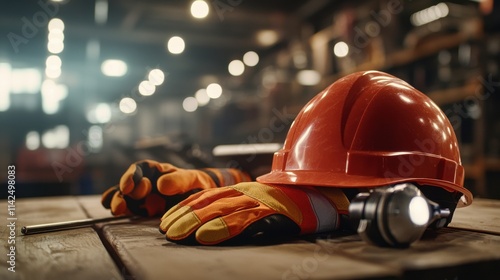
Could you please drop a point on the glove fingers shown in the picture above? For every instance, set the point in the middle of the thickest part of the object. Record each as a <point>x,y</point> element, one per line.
<point>174,183</point>
<point>194,202</point>
<point>180,205</point>
<point>184,180</point>
<point>160,167</point>
<point>185,220</point>
<point>225,206</point>
<point>204,198</point>
<point>119,205</point>
<point>130,177</point>
<point>141,190</point>
<point>107,196</point>
<point>270,229</point>
<point>228,226</point>
<point>173,215</point>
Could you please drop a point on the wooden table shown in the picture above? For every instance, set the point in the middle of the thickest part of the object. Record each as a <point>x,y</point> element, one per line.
<point>468,249</point>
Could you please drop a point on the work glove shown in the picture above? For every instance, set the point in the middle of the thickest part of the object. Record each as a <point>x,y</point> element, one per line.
<point>149,188</point>
<point>252,211</point>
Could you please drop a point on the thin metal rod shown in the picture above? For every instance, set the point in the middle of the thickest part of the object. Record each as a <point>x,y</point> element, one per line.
<point>68,225</point>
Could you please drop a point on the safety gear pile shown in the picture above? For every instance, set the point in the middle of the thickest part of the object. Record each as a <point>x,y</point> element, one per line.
<point>367,130</point>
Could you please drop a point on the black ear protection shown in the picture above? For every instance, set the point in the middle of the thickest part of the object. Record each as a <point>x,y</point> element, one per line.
<point>395,216</point>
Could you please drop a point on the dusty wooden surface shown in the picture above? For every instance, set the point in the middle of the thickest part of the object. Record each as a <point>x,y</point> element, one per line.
<point>444,254</point>
<point>73,254</point>
<point>136,250</point>
<point>482,215</point>
<point>91,205</point>
<point>447,253</point>
<point>148,255</point>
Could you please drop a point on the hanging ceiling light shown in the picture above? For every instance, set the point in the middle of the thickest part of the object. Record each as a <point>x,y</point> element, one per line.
<point>199,9</point>
<point>251,58</point>
<point>236,67</point>
<point>114,68</point>
<point>176,45</point>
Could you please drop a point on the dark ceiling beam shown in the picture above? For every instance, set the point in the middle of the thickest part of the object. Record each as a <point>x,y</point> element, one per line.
<point>138,36</point>
<point>229,15</point>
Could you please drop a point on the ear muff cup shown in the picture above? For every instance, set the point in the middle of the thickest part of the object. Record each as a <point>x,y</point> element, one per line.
<point>368,214</point>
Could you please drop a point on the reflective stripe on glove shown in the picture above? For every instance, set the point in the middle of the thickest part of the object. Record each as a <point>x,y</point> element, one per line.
<point>149,188</point>
<point>253,210</point>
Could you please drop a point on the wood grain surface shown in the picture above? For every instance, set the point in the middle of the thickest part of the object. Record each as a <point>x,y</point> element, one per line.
<point>72,254</point>
<point>440,254</point>
<point>483,215</point>
<point>134,249</point>
<point>443,254</point>
<point>148,255</point>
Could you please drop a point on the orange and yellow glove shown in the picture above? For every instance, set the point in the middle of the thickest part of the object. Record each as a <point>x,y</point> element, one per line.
<point>253,211</point>
<point>149,188</point>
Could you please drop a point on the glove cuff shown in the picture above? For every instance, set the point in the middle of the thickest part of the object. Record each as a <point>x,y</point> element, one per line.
<point>318,213</point>
<point>226,176</point>
<point>337,198</point>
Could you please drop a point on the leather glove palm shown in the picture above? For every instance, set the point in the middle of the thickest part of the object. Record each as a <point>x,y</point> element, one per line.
<point>253,210</point>
<point>149,188</point>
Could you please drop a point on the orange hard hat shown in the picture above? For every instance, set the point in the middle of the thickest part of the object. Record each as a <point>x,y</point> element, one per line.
<point>370,129</point>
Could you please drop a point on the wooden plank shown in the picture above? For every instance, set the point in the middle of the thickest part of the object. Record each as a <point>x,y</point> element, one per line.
<point>91,205</point>
<point>448,253</point>
<point>483,215</point>
<point>441,254</point>
<point>72,254</point>
<point>147,255</point>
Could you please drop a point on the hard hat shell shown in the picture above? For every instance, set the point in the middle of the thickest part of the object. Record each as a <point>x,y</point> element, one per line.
<point>370,129</point>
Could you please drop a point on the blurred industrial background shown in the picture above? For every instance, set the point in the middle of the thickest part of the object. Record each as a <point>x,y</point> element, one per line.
<point>89,87</point>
